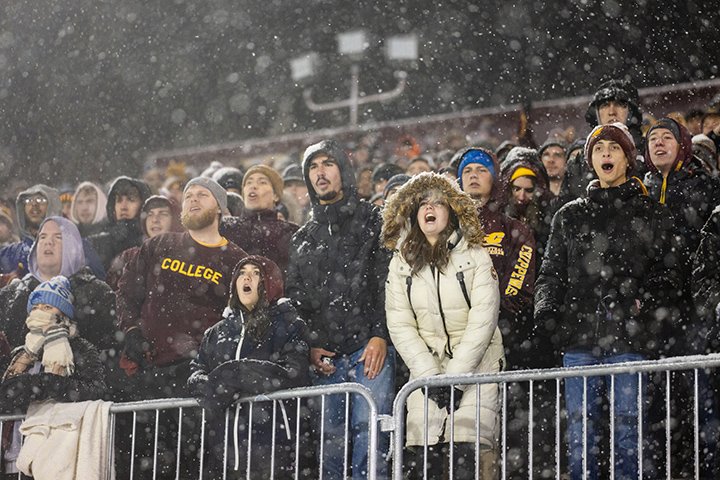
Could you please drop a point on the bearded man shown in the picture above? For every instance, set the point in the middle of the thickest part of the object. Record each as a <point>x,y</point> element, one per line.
<point>173,290</point>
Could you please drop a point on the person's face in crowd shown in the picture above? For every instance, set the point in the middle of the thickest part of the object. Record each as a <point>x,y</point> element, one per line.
<point>694,125</point>
<point>66,206</point>
<point>35,210</point>
<point>44,307</point>
<point>154,178</point>
<point>248,284</point>
<point>477,181</point>
<point>711,123</point>
<point>175,190</point>
<point>199,208</point>
<point>609,163</point>
<point>432,217</point>
<point>5,231</point>
<point>127,206</point>
<point>49,250</point>
<point>523,189</point>
<point>379,202</point>
<point>298,191</point>
<point>417,167</point>
<point>612,111</point>
<point>364,183</point>
<point>158,221</point>
<point>361,156</point>
<point>663,149</point>
<point>553,158</point>
<point>85,206</point>
<point>258,193</point>
<point>380,185</point>
<point>326,179</point>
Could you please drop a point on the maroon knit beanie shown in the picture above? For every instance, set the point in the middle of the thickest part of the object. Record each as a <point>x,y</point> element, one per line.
<point>617,132</point>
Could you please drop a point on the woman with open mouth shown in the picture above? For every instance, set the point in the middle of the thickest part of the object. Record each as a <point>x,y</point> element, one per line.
<point>442,304</point>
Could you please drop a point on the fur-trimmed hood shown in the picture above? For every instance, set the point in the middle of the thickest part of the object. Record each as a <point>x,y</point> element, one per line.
<point>401,209</point>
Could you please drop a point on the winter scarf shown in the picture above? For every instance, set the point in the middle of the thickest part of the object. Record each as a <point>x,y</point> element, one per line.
<point>48,333</point>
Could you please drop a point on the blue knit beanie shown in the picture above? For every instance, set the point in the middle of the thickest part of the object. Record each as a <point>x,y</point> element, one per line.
<point>55,292</point>
<point>476,156</point>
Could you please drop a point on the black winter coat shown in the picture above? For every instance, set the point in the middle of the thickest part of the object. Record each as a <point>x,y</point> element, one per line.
<point>94,308</point>
<point>278,360</point>
<point>261,233</point>
<point>337,275</point>
<point>706,280</point>
<point>608,270</point>
<point>86,383</point>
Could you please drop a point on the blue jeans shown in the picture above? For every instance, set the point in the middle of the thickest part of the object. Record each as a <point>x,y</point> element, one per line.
<point>383,391</point>
<point>625,411</point>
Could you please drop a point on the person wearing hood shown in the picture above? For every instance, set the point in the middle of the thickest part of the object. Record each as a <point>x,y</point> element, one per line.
<point>526,181</point>
<point>608,276</point>
<point>258,230</point>
<point>33,206</point>
<point>336,277</point>
<point>511,246</point>
<point>230,178</point>
<point>8,234</point>
<point>442,303</point>
<point>678,180</point>
<point>58,250</point>
<point>123,231</point>
<point>258,347</point>
<point>89,209</point>
<point>618,101</point>
<point>159,215</point>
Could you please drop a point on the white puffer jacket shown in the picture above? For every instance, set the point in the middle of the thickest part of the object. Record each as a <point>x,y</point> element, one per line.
<point>473,339</point>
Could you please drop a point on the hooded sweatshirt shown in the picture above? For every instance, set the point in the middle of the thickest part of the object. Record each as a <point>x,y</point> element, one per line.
<point>98,222</point>
<point>15,257</point>
<point>119,234</point>
<point>337,269</point>
<point>691,194</point>
<point>94,301</point>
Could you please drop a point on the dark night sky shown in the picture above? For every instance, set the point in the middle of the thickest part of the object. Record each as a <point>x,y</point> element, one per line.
<point>90,87</point>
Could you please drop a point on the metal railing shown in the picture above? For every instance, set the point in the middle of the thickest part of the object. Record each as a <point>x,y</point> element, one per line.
<point>550,415</point>
<point>693,364</point>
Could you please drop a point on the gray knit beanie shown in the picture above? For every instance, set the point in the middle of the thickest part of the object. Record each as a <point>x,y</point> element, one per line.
<point>217,191</point>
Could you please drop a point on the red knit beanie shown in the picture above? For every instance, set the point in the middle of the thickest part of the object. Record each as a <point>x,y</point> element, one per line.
<point>617,132</point>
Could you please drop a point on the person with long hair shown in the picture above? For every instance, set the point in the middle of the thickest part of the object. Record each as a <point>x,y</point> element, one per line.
<point>442,304</point>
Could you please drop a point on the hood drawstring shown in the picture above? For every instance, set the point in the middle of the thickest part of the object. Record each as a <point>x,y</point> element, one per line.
<point>236,441</point>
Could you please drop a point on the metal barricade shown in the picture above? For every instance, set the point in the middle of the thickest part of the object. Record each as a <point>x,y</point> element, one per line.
<point>174,426</point>
<point>683,374</point>
<point>198,463</point>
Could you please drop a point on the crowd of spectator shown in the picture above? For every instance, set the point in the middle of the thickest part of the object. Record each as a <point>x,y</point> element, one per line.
<point>341,266</point>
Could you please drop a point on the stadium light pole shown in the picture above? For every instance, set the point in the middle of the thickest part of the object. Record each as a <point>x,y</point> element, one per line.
<point>400,48</point>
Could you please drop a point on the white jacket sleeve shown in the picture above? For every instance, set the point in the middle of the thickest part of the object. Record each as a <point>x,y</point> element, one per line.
<point>482,317</point>
<point>402,324</point>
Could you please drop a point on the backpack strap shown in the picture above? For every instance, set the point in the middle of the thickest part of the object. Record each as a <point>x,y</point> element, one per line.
<point>461,278</point>
<point>408,283</point>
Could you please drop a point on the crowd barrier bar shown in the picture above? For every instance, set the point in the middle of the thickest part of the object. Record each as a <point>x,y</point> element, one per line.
<point>293,394</point>
<point>667,365</point>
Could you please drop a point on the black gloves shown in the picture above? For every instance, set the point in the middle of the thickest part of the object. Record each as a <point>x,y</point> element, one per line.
<point>441,397</point>
<point>137,348</point>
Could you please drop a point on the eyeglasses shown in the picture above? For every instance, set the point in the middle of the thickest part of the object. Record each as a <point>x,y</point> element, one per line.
<point>35,200</point>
